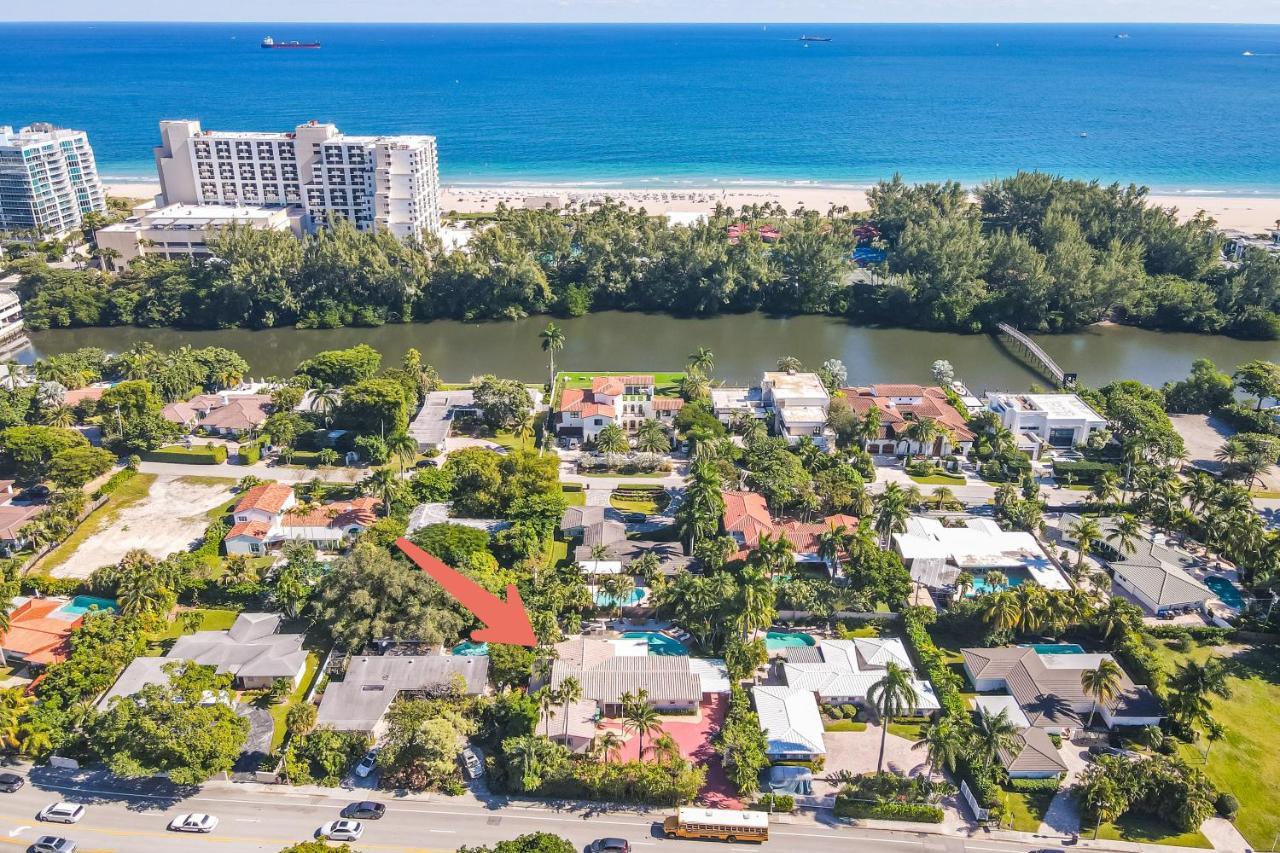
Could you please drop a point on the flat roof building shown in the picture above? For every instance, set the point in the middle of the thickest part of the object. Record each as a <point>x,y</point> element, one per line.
<point>382,183</point>
<point>182,231</point>
<point>48,179</point>
<point>1059,420</point>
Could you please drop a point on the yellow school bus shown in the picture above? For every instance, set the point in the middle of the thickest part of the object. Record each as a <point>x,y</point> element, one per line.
<point>718,824</point>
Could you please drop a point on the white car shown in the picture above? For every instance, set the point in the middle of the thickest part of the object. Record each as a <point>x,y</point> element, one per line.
<point>62,813</point>
<point>366,765</point>
<point>193,823</point>
<point>473,762</point>
<point>342,830</point>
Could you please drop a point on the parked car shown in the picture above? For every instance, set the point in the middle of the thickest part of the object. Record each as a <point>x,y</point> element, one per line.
<point>365,811</point>
<point>366,765</point>
<point>1105,750</point>
<point>610,845</point>
<point>53,844</point>
<point>10,782</point>
<point>473,762</point>
<point>62,813</point>
<point>342,830</point>
<point>193,823</point>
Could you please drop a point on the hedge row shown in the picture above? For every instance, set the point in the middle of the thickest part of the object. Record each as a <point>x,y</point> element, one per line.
<point>250,454</point>
<point>206,454</point>
<point>115,481</point>
<point>1085,472</point>
<point>913,812</point>
<point>1030,786</point>
<point>932,665</point>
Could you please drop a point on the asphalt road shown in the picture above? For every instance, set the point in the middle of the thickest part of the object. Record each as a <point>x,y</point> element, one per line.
<point>135,822</point>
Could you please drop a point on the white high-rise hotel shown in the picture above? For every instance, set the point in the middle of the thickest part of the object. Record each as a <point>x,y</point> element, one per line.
<point>382,183</point>
<point>48,179</point>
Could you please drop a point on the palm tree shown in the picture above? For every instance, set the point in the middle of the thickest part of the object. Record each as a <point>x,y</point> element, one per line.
<point>892,511</point>
<point>891,696</point>
<point>942,744</point>
<point>665,749</point>
<point>703,361</point>
<point>993,734</point>
<point>523,753</point>
<point>964,583</point>
<point>381,484</point>
<point>1002,610</point>
<point>639,716</point>
<point>618,587</point>
<point>612,439</point>
<point>1101,683</point>
<point>757,601</point>
<point>1085,531</point>
<point>651,437</point>
<point>774,554</point>
<point>943,496</point>
<point>59,416</point>
<point>1126,530</point>
<point>996,579</point>
<point>553,340</point>
<point>548,699</point>
<point>324,400</point>
<point>922,431</point>
<point>1104,488</point>
<point>1213,732</point>
<point>570,692</point>
<point>830,543</point>
<point>1193,684</point>
<point>403,447</point>
<point>608,743</point>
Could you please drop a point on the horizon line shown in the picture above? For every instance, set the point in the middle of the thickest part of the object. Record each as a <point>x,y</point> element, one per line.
<point>895,22</point>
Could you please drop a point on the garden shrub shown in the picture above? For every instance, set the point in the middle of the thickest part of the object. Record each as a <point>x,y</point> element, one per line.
<point>775,802</point>
<point>204,454</point>
<point>1227,805</point>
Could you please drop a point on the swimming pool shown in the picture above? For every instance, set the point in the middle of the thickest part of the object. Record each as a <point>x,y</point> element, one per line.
<point>1226,591</point>
<point>82,604</point>
<point>469,649</point>
<point>1058,648</point>
<point>604,599</point>
<point>775,640</point>
<point>659,644</point>
<point>981,586</point>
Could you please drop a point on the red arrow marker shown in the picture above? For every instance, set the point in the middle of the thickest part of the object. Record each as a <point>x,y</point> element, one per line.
<point>505,621</point>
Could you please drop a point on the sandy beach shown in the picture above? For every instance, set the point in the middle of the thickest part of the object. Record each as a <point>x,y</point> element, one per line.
<point>1253,214</point>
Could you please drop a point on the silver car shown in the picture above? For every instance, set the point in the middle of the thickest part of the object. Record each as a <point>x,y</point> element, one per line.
<point>53,844</point>
<point>193,823</point>
<point>342,830</point>
<point>62,813</point>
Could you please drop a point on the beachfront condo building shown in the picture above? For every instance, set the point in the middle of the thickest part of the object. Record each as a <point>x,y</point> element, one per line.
<point>379,183</point>
<point>48,179</point>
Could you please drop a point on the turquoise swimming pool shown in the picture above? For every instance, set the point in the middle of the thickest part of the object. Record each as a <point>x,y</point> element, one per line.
<point>82,604</point>
<point>775,640</point>
<point>1226,591</point>
<point>469,649</point>
<point>604,599</point>
<point>1015,577</point>
<point>1058,648</point>
<point>659,644</point>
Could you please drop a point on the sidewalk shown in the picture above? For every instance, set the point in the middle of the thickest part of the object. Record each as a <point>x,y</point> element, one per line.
<point>282,473</point>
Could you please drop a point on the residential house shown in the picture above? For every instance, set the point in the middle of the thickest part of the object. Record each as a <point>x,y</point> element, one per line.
<point>1058,420</point>
<point>841,672</point>
<point>13,518</point>
<point>268,515</point>
<point>251,650</point>
<point>577,518</point>
<point>730,403</point>
<point>1048,691</point>
<point>40,630</point>
<point>1155,575</point>
<point>746,518</point>
<point>226,414</point>
<point>623,401</point>
<point>609,668</point>
<point>671,557</point>
<point>791,722</point>
<point>799,403</point>
<point>901,404</point>
<point>431,426</point>
<point>935,554</point>
<point>371,683</point>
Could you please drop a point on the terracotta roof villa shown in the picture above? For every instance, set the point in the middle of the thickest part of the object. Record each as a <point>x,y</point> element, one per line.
<point>1047,688</point>
<point>899,404</point>
<point>39,630</point>
<point>224,414</point>
<point>746,518</point>
<point>269,514</point>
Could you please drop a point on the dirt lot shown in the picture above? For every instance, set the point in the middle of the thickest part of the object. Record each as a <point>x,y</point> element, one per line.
<point>170,518</point>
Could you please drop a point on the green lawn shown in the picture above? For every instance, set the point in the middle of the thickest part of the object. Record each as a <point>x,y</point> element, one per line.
<point>1025,810</point>
<point>912,731</point>
<point>844,726</point>
<point>211,620</point>
<point>1148,832</point>
<point>281,711</point>
<point>938,480</point>
<point>133,490</point>
<point>665,384</point>
<point>504,438</point>
<point>559,552</point>
<point>636,499</point>
<point>573,494</point>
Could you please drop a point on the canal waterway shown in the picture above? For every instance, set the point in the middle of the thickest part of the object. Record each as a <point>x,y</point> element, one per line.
<point>744,345</point>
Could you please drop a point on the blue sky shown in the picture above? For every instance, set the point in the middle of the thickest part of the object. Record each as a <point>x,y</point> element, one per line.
<point>557,11</point>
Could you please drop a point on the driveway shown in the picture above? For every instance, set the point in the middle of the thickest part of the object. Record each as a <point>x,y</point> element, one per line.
<point>258,745</point>
<point>169,519</point>
<point>1203,435</point>
<point>858,753</point>
<point>1063,816</point>
<point>694,736</point>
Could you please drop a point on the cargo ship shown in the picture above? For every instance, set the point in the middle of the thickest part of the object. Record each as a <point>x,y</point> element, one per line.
<point>272,44</point>
<point>815,38</point>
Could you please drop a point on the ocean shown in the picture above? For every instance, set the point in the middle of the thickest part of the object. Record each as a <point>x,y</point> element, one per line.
<point>1180,108</point>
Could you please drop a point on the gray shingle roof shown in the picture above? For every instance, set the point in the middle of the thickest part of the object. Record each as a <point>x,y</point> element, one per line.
<point>1035,753</point>
<point>372,683</point>
<point>666,678</point>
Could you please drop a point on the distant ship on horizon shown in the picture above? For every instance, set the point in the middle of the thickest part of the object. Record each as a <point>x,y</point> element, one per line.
<point>815,38</point>
<point>271,44</point>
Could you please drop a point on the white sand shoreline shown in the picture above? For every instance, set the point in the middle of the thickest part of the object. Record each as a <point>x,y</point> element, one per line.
<point>1250,213</point>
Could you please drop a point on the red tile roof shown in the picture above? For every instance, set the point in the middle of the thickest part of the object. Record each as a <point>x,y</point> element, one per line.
<point>75,395</point>
<point>253,529</point>
<point>12,518</point>
<point>267,497</point>
<point>748,514</point>
<point>362,511</point>
<point>611,386</point>
<point>35,636</point>
<point>667,404</point>
<point>898,390</point>
<point>578,401</point>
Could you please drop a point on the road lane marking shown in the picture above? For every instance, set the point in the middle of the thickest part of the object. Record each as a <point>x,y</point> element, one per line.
<point>445,831</point>
<point>14,833</point>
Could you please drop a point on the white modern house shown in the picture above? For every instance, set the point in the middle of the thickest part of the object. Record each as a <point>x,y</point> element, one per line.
<point>383,183</point>
<point>1058,420</point>
<point>935,554</point>
<point>799,402</point>
<point>48,179</point>
<point>791,722</point>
